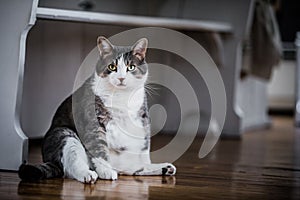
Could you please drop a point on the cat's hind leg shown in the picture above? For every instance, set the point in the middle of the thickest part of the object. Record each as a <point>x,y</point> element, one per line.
<point>29,172</point>
<point>75,162</point>
<point>157,169</point>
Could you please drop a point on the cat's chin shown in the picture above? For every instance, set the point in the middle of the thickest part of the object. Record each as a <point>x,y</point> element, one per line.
<point>120,86</point>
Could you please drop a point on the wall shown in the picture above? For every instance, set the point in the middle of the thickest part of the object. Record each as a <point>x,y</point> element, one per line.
<point>281,89</point>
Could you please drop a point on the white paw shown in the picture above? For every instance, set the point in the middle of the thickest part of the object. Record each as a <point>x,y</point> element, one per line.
<point>88,177</point>
<point>169,170</point>
<point>106,173</point>
<point>104,169</point>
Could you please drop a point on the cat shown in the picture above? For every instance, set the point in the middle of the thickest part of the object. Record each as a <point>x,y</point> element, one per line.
<point>102,130</point>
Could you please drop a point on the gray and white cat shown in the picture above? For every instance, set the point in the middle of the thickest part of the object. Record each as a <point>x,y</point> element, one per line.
<point>111,135</point>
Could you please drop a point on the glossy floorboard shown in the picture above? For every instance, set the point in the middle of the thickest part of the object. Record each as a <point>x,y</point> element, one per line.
<point>263,165</point>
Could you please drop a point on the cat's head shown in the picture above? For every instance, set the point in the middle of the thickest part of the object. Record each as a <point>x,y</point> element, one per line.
<point>122,67</point>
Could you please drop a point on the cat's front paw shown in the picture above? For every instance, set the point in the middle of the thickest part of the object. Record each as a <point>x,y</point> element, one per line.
<point>104,169</point>
<point>89,177</point>
<point>169,170</point>
<point>107,173</point>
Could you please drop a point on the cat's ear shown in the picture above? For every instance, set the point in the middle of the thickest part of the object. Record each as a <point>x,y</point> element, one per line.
<point>139,48</point>
<point>104,46</point>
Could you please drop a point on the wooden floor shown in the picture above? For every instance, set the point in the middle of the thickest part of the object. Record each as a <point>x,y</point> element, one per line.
<point>263,165</point>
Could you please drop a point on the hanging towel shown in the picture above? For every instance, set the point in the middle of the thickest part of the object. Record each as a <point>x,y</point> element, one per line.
<point>265,41</point>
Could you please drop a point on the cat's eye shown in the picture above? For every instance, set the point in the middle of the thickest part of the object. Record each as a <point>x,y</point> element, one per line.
<point>131,67</point>
<point>112,67</point>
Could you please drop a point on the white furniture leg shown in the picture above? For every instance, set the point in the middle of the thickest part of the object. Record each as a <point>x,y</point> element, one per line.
<point>17,17</point>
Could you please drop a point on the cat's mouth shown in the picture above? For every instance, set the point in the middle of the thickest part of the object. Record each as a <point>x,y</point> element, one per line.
<point>121,85</point>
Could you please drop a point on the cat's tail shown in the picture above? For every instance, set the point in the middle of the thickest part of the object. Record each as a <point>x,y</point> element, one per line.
<point>38,172</point>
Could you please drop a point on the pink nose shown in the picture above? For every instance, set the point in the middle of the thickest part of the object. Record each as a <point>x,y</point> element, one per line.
<point>121,79</point>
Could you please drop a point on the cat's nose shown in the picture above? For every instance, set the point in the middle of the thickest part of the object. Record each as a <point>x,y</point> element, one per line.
<point>121,79</point>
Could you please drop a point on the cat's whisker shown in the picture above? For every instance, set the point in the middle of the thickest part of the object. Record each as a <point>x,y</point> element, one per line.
<point>151,90</point>
<point>151,86</point>
<point>149,94</point>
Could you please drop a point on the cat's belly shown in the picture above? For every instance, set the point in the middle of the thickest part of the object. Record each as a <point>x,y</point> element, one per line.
<point>128,162</point>
<point>126,133</point>
<point>128,145</point>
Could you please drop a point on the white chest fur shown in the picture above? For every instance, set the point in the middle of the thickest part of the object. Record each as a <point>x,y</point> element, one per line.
<point>125,133</point>
<point>126,141</point>
<point>125,130</point>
